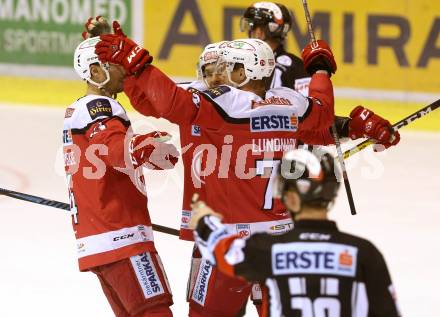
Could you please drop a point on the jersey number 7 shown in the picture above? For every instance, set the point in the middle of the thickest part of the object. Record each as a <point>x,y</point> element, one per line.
<point>267,169</point>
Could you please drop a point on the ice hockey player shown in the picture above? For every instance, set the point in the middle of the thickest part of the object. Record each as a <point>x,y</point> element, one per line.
<point>313,270</point>
<point>246,126</point>
<point>104,161</point>
<point>191,136</point>
<point>271,23</point>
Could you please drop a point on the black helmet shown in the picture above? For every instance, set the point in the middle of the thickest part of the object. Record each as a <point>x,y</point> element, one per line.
<point>274,16</point>
<point>311,174</point>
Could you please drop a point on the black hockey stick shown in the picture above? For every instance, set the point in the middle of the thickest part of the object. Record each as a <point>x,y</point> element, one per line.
<point>333,128</point>
<point>64,206</point>
<point>404,122</point>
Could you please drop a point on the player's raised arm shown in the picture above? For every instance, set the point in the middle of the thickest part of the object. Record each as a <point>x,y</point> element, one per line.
<point>150,91</point>
<point>319,61</point>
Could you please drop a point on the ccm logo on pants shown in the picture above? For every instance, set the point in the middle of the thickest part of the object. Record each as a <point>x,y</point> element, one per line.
<point>147,276</point>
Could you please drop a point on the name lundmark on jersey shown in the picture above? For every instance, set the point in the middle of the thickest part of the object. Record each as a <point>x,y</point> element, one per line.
<point>273,145</point>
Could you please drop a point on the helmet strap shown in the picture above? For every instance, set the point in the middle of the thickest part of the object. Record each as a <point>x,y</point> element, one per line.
<point>105,81</point>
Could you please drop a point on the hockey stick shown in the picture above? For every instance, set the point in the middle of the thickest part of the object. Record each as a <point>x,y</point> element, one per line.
<point>64,206</point>
<point>404,122</point>
<point>333,129</point>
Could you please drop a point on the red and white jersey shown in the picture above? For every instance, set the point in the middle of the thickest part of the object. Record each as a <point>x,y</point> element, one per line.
<point>110,216</point>
<point>246,139</point>
<point>191,137</point>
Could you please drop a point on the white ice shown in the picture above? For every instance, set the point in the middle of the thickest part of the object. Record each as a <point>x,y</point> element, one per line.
<point>397,196</point>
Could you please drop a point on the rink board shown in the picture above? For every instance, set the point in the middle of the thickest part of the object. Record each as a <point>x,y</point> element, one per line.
<point>61,93</point>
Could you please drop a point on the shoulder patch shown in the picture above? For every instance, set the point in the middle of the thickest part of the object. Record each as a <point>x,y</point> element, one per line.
<point>284,60</point>
<point>69,112</point>
<point>99,108</point>
<point>217,91</point>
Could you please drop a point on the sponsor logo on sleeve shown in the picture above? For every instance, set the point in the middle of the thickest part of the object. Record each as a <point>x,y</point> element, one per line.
<point>257,294</point>
<point>67,137</point>
<point>202,282</point>
<point>314,258</point>
<point>69,112</point>
<point>195,130</point>
<point>145,235</point>
<point>196,99</point>
<point>186,217</point>
<point>80,247</point>
<point>70,155</point>
<point>99,108</point>
<point>244,230</point>
<point>146,274</point>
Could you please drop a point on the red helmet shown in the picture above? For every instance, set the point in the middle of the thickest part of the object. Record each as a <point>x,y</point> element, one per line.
<point>275,17</point>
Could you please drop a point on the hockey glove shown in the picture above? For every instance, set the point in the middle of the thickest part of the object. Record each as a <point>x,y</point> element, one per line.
<point>365,124</point>
<point>200,210</point>
<point>151,151</point>
<point>95,27</point>
<point>98,26</point>
<point>117,29</point>
<point>318,56</point>
<point>117,49</point>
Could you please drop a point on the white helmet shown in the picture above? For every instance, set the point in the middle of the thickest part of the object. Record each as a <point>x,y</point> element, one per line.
<point>255,55</point>
<point>209,55</point>
<point>84,57</point>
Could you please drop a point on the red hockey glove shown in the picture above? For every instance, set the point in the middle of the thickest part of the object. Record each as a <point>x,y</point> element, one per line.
<point>95,27</point>
<point>152,151</point>
<point>364,123</point>
<point>98,26</point>
<point>117,29</point>
<point>318,55</point>
<point>117,49</point>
